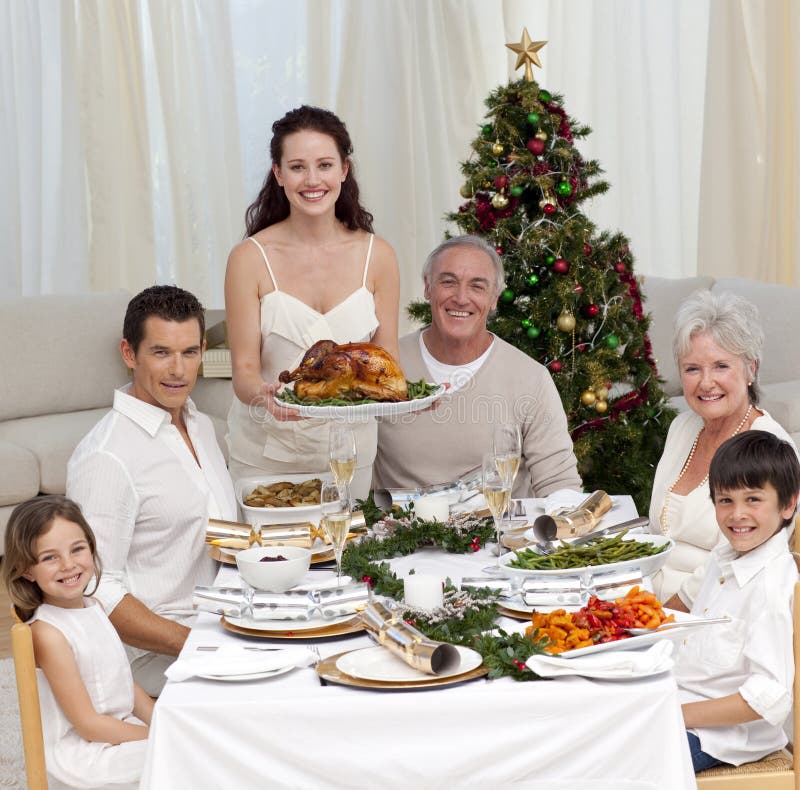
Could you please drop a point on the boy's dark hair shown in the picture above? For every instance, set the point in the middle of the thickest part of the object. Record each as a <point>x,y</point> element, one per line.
<point>752,459</point>
<point>163,301</point>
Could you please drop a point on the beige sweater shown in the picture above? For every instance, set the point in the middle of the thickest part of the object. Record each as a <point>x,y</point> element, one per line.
<point>439,445</point>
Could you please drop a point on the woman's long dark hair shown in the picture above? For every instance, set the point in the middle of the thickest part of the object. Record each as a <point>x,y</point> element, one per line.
<point>272,206</point>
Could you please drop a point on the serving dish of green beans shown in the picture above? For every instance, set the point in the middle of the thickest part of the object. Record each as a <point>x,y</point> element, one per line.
<point>603,555</point>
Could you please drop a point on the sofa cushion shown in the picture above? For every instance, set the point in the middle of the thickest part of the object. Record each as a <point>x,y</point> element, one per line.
<point>663,299</point>
<point>777,305</point>
<point>60,353</point>
<point>19,474</point>
<point>51,439</point>
<point>782,401</point>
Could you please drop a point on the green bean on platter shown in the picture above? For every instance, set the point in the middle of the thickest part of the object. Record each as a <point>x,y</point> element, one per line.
<point>601,551</point>
<point>416,390</point>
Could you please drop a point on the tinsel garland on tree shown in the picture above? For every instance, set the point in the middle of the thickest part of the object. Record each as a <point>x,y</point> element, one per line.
<point>571,300</point>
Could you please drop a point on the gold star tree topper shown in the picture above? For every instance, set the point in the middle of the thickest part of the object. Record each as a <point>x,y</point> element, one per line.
<point>527,53</point>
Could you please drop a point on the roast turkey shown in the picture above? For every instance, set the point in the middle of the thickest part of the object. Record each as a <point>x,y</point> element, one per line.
<point>353,371</point>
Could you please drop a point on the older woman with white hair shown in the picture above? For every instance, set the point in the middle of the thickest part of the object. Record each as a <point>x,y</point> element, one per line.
<point>717,346</point>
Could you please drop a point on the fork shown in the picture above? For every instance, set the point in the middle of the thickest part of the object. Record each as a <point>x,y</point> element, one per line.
<point>246,647</point>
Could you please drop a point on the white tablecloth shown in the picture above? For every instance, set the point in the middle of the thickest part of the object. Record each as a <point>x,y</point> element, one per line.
<point>290,732</point>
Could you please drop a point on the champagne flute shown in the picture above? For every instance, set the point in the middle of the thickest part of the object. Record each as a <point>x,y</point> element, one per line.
<point>497,492</point>
<point>342,453</point>
<point>336,515</point>
<point>507,446</point>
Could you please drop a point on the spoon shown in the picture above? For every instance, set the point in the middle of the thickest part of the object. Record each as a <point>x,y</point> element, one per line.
<point>679,624</point>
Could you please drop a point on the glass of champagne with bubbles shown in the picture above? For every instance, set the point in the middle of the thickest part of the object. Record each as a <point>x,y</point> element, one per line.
<point>342,453</point>
<point>496,492</point>
<point>507,446</point>
<point>336,516</point>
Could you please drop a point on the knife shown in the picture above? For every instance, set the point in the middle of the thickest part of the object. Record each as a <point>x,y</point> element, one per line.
<point>641,521</point>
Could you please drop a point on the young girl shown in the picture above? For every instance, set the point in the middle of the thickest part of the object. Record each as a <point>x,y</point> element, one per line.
<point>94,717</point>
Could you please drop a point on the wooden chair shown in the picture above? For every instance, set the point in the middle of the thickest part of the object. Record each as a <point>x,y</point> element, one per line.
<point>29,712</point>
<point>779,770</point>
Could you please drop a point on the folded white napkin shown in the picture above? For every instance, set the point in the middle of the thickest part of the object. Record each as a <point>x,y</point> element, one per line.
<point>236,660</point>
<point>563,498</point>
<point>610,664</point>
<point>319,580</point>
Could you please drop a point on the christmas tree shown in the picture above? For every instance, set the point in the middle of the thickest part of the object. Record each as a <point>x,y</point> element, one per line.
<point>571,299</point>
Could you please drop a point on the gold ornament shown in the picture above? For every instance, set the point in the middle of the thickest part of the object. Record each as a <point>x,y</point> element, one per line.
<point>588,398</point>
<point>527,53</point>
<point>601,406</point>
<point>499,200</point>
<point>497,148</point>
<point>566,321</point>
<point>487,184</point>
<point>602,393</point>
<point>467,191</point>
<point>541,135</point>
<point>548,200</point>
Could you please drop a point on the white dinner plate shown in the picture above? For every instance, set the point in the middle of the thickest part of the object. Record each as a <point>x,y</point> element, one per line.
<point>377,663</point>
<point>315,621</point>
<point>647,565</point>
<point>515,605</point>
<point>634,642</point>
<point>361,411</point>
<point>249,676</point>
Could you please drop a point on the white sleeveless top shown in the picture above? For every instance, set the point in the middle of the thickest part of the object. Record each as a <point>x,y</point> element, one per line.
<point>289,327</point>
<point>72,761</point>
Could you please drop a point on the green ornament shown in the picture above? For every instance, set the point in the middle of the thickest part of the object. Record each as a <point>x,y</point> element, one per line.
<point>612,341</point>
<point>508,295</point>
<point>545,96</point>
<point>533,118</point>
<point>517,191</point>
<point>551,259</point>
<point>533,332</point>
<point>487,130</point>
<point>526,323</point>
<point>564,188</point>
<point>532,279</point>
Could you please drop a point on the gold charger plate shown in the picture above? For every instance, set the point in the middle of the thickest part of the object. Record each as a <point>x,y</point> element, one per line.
<point>330,673</point>
<point>351,626</point>
<point>219,554</point>
<point>511,613</point>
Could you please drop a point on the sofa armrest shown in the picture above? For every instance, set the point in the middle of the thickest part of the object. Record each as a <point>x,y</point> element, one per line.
<point>213,396</point>
<point>19,474</point>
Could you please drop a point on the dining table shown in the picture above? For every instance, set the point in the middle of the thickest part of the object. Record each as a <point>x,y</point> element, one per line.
<point>293,731</point>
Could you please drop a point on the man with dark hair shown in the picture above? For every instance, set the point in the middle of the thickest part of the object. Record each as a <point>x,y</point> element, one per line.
<point>148,477</point>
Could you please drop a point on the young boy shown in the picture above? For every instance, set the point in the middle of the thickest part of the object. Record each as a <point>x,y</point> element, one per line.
<point>736,679</point>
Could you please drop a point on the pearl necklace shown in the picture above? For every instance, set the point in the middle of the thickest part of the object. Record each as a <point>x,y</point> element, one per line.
<point>663,517</point>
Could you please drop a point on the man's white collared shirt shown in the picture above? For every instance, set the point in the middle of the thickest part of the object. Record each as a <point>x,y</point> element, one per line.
<point>752,654</point>
<point>148,501</point>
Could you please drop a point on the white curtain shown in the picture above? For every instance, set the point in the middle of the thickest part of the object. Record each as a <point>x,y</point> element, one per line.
<point>750,206</point>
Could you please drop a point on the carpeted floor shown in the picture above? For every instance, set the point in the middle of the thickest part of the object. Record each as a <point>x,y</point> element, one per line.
<point>12,760</point>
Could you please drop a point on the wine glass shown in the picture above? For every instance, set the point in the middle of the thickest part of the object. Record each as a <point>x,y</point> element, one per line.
<point>507,446</point>
<point>342,453</point>
<point>497,492</point>
<point>335,503</point>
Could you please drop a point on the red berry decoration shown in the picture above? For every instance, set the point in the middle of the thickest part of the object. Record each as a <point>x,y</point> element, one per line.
<point>535,146</point>
<point>560,266</point>
<point>498,250</point>
<point>587,249</point>
<point>620,267</point>
<point>555,366</point>
<point>549,208</point>
<point>591,311</point>
<point>501,182</point>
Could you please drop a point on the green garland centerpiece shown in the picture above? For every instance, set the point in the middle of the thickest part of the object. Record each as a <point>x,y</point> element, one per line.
<point>466,616</point>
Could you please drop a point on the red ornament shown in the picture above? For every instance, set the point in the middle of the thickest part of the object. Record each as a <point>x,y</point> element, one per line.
<point>591,310</point>
<point>560,266</point>
<point>498,250</point>
<point>535,146</point>
<point>368,579</point>
<point>620,267</point>
<point>587,249</point>
<point>549,208</point>
<point>501,182</point>
<point>476,543</point>
<point>578,289</point>
<point>555,366</point>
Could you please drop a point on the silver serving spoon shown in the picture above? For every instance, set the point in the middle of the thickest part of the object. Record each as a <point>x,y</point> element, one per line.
<point>679,624</point>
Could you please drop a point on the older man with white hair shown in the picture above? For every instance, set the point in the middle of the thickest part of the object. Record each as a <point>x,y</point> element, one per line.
<point>490,381</point>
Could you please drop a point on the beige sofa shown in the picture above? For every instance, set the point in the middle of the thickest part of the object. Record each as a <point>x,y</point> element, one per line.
<point>61,362</point>
<point>780,365</point>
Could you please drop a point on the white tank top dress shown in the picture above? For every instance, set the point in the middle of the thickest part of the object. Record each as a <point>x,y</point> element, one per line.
<point>71,761</point>
<point>258,443</point>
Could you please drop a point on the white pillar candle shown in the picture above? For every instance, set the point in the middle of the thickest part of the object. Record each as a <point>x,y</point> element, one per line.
<point>423,591</point>
<point>434,506</point>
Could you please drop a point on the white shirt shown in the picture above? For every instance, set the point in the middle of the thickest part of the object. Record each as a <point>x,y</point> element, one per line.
<point>148,502</point>
<point>752,654</point>
<point>454,375</point>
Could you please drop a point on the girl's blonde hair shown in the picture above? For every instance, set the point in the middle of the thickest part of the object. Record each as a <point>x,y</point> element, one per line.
<point>29,521</point>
